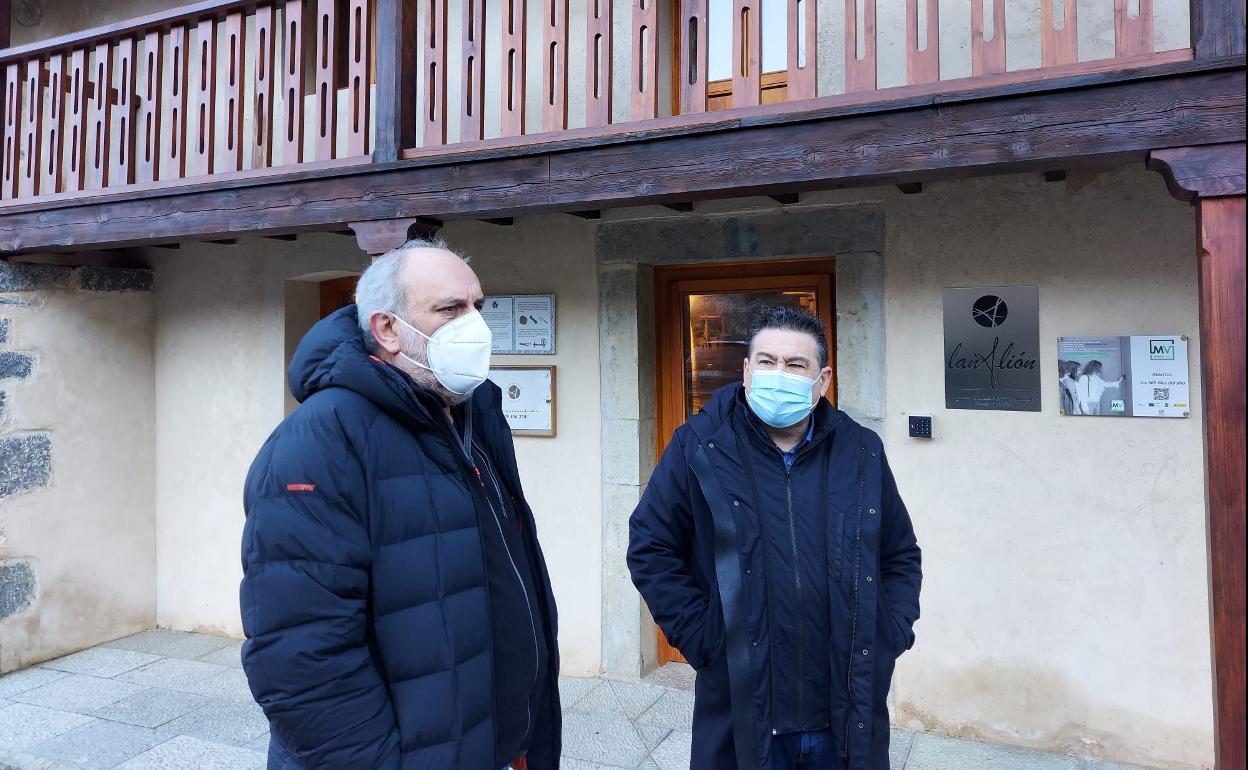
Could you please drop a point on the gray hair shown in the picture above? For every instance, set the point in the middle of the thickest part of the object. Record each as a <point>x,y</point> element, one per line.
<point>381,289</point>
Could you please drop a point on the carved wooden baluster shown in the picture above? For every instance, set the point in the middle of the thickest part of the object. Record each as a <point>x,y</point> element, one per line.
<point>555,65</point>
<point>860,73</point>
<point>1133,37</point>
<point>31,127</point>
<point>326,79</point>
<point>1059,46</point>
<point>747,48</point>
<point>12,139</point>
<point>472,100</point>
<point>203,94</point>
<point>433,53</point>
<point>803,53</point>
<point>923,55</point>
<point>121,153</point>
<point>645,74</point>
<point>76,122</point>
<point>174,149</point>
<point>694,51</point>
<point>359,64</point>
<point>235,72</point>
<point>53,134</point>
<point>99,118</point>
<point>266,59</point>
<point>598,63</point>
<point>987,54</point>
<point>294,83</point>
<point>151,102</point>
<point>513,67</point>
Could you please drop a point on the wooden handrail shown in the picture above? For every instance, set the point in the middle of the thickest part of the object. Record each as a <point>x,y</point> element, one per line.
<point>158,20</point>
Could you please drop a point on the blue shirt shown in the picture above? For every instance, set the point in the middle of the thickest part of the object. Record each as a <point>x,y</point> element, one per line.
<point>791,455</point>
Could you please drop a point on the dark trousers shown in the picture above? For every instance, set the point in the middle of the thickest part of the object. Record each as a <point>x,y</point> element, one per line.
<point>804,751</point>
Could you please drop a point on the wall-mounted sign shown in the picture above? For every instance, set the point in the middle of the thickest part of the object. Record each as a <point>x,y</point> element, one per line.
<point>528,398</point>
<point>1142,376</point>
<point>992,348</point>
<point>521,323</point>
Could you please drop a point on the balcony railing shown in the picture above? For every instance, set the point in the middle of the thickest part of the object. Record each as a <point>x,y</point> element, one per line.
<point>221,89</point>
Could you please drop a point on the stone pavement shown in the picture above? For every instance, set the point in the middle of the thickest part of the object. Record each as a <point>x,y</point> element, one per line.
<point>168,700</point>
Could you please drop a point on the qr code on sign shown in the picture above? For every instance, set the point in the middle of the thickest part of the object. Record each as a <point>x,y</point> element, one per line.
<point>1161,394</point>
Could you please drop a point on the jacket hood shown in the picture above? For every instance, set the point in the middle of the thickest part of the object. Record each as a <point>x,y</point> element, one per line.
<point>333,355</point>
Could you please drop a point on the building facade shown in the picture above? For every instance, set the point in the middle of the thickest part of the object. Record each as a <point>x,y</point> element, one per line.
<point>1072,564</point>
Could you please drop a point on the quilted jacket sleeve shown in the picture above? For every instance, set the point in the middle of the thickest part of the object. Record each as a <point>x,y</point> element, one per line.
<point>660,554</point>
<point>306,573</point>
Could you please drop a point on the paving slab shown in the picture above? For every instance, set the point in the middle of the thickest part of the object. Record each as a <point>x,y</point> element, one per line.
<point>27,679</point>
<point>602,739</point>
<point>172,644</point>
<point>621,699</point>
<point>674,676</point>
<point>573,689</point>
<point>236,724</point>
<point>79,693</point>
<point>673,753</point>
<point>260,744</point>
<point>567,763</point>
<point>171,673</point>
<point>899,744</point>
<point>152,707</point>
<point>103,662</point>
<point>184,751</point>
<point>22,725</point>
<point>230,684</point>
<point>674,709</point>
<point>229,655</point>
<point>99,745</point>
<point>936,752</point>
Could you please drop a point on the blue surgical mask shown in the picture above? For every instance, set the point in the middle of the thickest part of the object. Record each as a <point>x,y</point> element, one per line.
<point>778,398</point>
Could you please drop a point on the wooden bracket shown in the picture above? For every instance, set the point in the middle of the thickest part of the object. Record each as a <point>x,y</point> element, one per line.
<point>378,236</point>
<point>910,188</point>
<point>1206,171</point>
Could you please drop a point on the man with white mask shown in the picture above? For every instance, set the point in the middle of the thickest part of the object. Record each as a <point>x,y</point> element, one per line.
<point>396,602</point>
<point>774,550</point>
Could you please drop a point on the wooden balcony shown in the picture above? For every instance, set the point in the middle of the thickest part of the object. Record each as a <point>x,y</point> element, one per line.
<point>234,94</point>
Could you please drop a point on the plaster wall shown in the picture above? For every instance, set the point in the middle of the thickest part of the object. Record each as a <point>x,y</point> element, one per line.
<point>77,509</point>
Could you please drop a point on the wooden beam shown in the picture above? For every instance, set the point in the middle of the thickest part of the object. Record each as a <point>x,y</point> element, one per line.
<point>1217,28</point>
<point>1207,171</point>
<point>683,207</point>
<point>1222,321</point>
<point>501,221</point>
<point>591,214</point>
<point>6,16</point>
<point>1075,122</point>
<point>1055,176</point>
<point>1212,176</point>
<point>283,237</point>
<point>910,188</point>
<point>785,199</point>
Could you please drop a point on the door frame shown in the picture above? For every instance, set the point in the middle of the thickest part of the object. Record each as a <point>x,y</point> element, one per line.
<point>672,281</point>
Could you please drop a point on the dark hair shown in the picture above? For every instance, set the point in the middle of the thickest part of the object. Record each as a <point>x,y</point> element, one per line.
<point>794,320</point>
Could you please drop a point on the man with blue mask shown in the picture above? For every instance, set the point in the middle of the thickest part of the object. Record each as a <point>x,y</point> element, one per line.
<point>397,606</point>
<point>773,549</point>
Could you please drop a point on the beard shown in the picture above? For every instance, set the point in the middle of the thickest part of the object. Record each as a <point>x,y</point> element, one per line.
<point>422,376</point>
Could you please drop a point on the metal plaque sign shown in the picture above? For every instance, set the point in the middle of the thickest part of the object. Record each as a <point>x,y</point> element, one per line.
<point>521,323</point>
<point>1144,376</point>
<point>992,348</point>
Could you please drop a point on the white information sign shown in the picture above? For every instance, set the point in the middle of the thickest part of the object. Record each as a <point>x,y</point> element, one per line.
<point>528,398</point>
<point>522,324</point>
<point>1141,376</point>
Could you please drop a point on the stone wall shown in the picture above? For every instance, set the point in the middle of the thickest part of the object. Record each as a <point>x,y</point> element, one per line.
<point>77,526</point>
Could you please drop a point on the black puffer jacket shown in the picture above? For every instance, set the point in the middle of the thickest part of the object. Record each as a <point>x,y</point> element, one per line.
<point>365,595</point>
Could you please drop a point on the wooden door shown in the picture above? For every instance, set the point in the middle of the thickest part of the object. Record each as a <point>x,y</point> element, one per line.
<point>337,293</point>
<point>702,332</point>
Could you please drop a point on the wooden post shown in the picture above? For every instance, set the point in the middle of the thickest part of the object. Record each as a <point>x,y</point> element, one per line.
<point>396,78</point>
<point>1212,177</point>
<point>6,15</point>
<point>1217,28</point>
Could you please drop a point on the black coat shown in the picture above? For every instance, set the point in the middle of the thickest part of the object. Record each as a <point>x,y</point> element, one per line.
<point>696,551</point>
<point>364,596</point>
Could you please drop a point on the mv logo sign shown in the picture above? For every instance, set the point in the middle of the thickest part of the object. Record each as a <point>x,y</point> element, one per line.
<point>1161,350</point>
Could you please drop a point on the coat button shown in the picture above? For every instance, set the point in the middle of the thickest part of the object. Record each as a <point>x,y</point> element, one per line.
<point>861,725</point>
<point>711,445</point>
<point>868,578</point>
<point>871,511</point>
<point>755,644</point>
<point>736,502</point>
<point>873,454</point>
<point>748,573</point>
<point>866,652</point>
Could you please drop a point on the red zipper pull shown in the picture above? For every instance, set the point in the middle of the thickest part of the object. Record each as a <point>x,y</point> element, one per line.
<point>480,480</point>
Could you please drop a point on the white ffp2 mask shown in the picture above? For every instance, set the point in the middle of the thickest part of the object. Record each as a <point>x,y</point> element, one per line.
<point>458,352</point>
